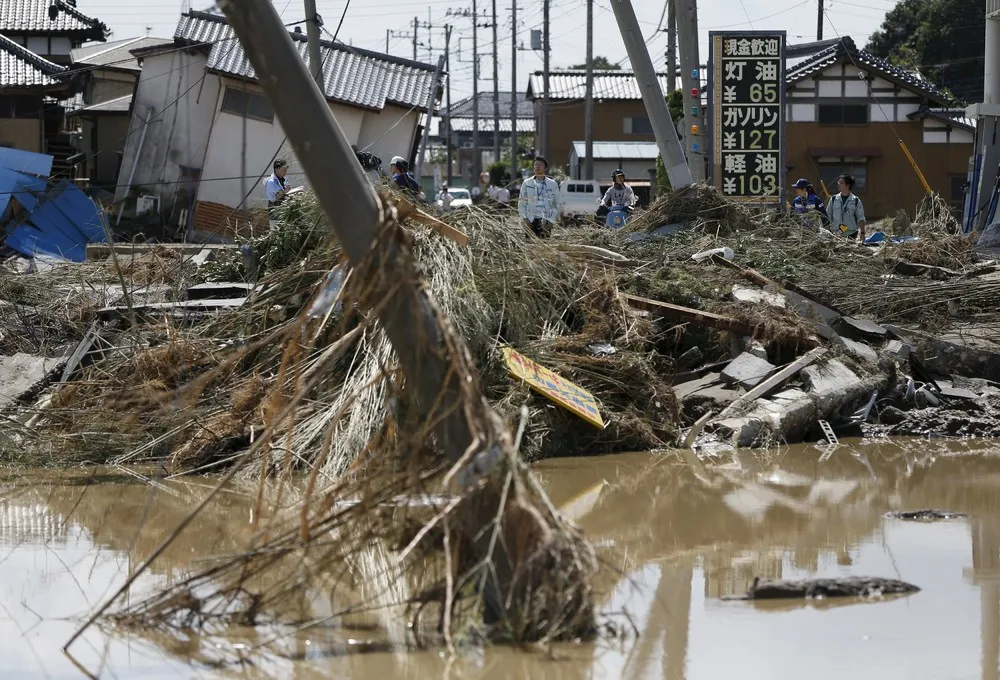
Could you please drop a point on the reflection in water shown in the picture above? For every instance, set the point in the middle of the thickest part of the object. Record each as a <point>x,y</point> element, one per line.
<point>676,544</point>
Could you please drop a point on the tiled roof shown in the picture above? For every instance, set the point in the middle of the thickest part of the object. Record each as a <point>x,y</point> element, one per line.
<point>486,124</point>
<point>20,67</point>
<point>607,85</point>
<point>846,51</point>
<point>352,76</point>
<point>955,117</point>
<point>116,54</point>
<point>626,151</point>
<point>118,105</point>
<point>19,17</point>
<point>463,109</point>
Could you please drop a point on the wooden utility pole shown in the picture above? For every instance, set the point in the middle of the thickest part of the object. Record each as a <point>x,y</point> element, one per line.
<point>652,96</point>
<point>431,98</point>
<point>588,106</point>
<point>544,136</point>
<point>514,173</point>
<point>687,44</point>
<point>671,45</point>
<point>819,22</point>
<point>387,41</point>
<point>313,24</point>
<point>416,27</point>
<point>496,91</point>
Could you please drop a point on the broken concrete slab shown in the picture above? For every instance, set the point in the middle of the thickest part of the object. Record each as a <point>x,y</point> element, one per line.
<point>20,372</point>
<point>865,327</point>
<point>967,350</point>
<point>831,384</point>
<point>811,310</point>
<point>950,391</point>
<point>742,294</point>
<point>859,350</point>
<point>897,350</point>
<point>683,390</point>
<point>747,370</point>
<point>756,348</point>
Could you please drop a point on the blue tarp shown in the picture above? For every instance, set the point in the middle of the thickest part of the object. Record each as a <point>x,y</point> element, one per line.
<point>61,220</point>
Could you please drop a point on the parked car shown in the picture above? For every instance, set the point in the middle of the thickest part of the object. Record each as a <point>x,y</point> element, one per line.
<point>579,197</point>
<point>460,198</point>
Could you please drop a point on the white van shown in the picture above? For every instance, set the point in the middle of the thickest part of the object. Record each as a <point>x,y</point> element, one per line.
<point>579,197</point>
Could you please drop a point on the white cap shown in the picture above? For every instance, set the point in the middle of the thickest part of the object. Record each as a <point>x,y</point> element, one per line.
<point>396,160</point>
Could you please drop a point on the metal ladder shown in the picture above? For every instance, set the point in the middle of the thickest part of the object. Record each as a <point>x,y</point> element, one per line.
<point>831,437</point>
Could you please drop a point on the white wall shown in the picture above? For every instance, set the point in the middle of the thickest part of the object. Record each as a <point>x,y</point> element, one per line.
<point>183,107</point>
<point>385,140</point>
<point>221,181</point>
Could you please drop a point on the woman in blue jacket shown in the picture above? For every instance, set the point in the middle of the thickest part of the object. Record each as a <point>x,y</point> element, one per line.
<point>807,202</point>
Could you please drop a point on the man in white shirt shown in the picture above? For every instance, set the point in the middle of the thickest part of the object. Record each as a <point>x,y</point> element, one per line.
<point>503,196</point>
<point>276,189</point>
<point>538,204</point>
<point>445,197</point>
<point>847,214</point>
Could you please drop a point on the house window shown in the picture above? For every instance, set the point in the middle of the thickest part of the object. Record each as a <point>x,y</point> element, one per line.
<point>829,172</point>
<point>38,45</point>
<point>59,46</point>
<point>637,125</point>
<point>246,103</point>
<point>843,114</point>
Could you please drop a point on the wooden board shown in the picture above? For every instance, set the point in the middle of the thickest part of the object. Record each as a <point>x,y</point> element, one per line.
<point>551,385</point>
<point>695,316</point>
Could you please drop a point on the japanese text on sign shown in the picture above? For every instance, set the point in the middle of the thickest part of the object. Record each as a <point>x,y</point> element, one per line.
<point>748,115</point>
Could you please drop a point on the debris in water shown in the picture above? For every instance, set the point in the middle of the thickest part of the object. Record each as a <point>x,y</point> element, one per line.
<point>925,515</point>
<point>848,586</point>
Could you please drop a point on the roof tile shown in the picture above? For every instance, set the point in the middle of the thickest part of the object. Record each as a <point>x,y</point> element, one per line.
<point>32,16</point>
<point>20,67</point>
<point>607,85</point>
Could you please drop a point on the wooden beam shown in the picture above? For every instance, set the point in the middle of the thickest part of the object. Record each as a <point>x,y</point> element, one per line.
<point>774,381</point>
<point>762,281</point>
<point>695,316</point>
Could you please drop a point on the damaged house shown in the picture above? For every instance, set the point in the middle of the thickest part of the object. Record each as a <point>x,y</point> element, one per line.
<point>206,134</point>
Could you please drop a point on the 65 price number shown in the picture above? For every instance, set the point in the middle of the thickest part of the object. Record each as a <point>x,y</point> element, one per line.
<point>764,93</point>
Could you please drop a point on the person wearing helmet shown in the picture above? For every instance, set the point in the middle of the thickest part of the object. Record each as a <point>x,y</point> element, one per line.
<point>402,178</point>
<point>619,193</point>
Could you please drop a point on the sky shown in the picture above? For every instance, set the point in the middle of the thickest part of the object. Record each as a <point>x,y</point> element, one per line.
<point>366,22</point>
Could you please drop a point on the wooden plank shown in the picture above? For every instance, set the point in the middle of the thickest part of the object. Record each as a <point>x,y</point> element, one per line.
<point>774,381</point>
<point>694,316</point>
<point>99,250</point>
<point>181,306</point>
<point>553,386</point>
<point>456,235</point>
<point>80,352</point>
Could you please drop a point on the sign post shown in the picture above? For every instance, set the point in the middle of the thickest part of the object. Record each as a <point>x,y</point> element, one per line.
<point>747,121</point>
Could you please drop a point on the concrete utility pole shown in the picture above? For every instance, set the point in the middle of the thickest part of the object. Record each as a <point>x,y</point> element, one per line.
<point>416,27</point>
<point>819,22</point>
<point>387,41</point>
<point>543,143</point>
<point>496,91</point>
<point>588,107</point>
<point>477,154</point>
<point>652,96</point>
<point>431,98</point>
<point>447,122</point>
<point>351,205</point>
<point>687,43</point>
<point>514,173</point>
<point>672,45</point>
<point>313,23</point>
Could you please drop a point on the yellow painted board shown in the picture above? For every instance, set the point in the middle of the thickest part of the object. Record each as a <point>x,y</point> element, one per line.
<point>567,394</point>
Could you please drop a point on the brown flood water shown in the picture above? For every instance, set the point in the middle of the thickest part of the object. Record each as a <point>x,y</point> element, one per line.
<point>679,544</point>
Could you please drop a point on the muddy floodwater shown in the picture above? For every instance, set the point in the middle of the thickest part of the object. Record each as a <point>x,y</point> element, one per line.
<point>675,540</point>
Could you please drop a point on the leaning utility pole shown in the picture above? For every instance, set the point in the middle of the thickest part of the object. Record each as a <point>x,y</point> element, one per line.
<point>687,43</point>
<point>514,167</point>
<point>431,98</point>
<point>496,91</point>
<point>588,107</point>
<point>671,45</point>
<point>477,155</point>
<point>652,96</point>
<point>313,23</point>
<point>544,136</point>
<point>819,22</point>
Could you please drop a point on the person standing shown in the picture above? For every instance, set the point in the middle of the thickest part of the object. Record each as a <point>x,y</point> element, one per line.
<point>503,196</point>
<point>445,197</point>
<point>402,178</point>
<point>276,189</point>
<point>847,214</point>
<point>807,203</point>
<point>538,204</point>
